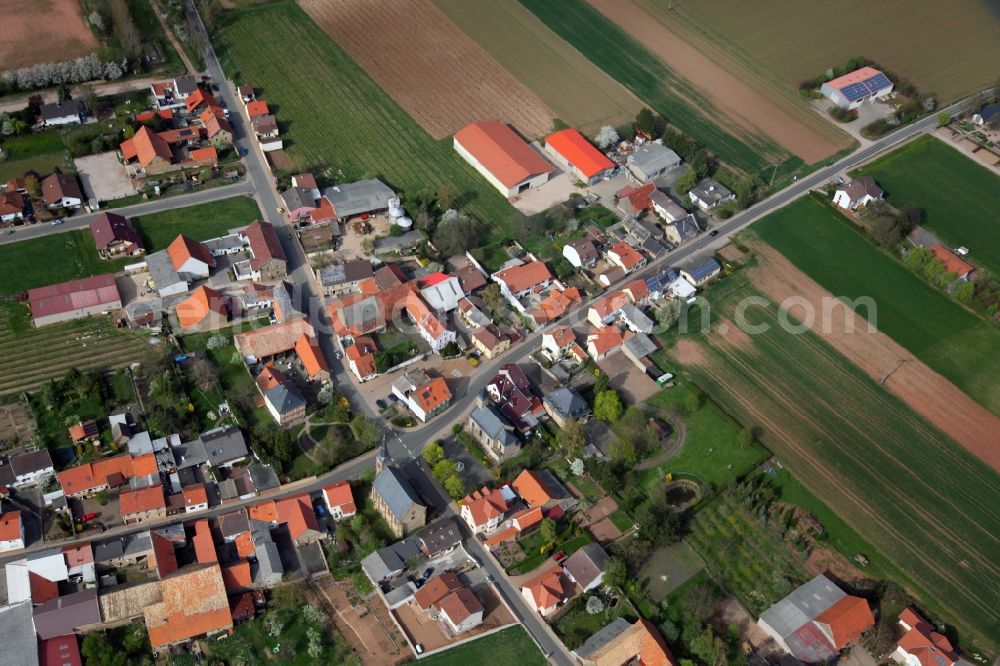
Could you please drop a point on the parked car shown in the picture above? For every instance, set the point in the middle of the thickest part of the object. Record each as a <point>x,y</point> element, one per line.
<point>427,573</point>
<point>559,557</point>
<point>86,518</point>
<point>393,398</point>
<point>381,404</point>
<point>713,233</point>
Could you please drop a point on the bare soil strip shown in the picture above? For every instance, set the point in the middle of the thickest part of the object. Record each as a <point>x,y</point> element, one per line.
<point>925,391</point>
<point>747,103</point>
<point>430,67</point>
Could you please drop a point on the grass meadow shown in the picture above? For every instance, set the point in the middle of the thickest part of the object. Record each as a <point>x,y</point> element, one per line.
<point>905,487</point>
<point>510,647</point>
<point>960,198</point>
<point>950,339</point>
<point>335,120</point>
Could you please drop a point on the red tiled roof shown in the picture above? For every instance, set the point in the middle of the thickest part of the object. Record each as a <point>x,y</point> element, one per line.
<point>485,504</point>
<point>144,465</point>
<point>531,489</point>
<point>206,154</point>
<point>924,643</point>
<point>245,545</point>
<point>145,146</point>
<point>146,116</point>
<point>165,559</point>
<point>501,152</point>
<point>271,340</point>
<point>546,589</point>
<point>952,263</point>
<point>307,348</point>
<point>362,354</point>
<point>851,78</point>
<point>202,302</point>
<point>42,589</point>
<point>195,495</point>
<point>183,248</point>
<point>297,512</point>
<point>204,544</point>
<point>525,276</point>
<point>562,336</point>
<point>628,255</point>
<point>604,339</point>
<point>339,494</point>
<point>10,526</point>
<point>528,517</point>
<point>236,575</point>
<point>258,107</point>
<point>264,512</point>
<point>194,603</point>
<point>199,97</point>
<point>638,197</point>
<point>432,395</point>
<point>264,243</point>
<point>847,619</point>
<point>73,295</point>
<point>78,554</point>
<point>637,290</point>
<point>579,152</point>
<point>460,605</point>
<point>131,502</point>
<point>555,305</point>
<point>437,588</point>
<point>83,430</point>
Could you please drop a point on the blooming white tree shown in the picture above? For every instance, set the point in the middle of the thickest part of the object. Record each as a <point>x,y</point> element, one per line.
<point>606,137</point>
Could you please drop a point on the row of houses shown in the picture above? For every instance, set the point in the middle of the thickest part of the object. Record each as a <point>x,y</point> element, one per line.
<point>58,190</point>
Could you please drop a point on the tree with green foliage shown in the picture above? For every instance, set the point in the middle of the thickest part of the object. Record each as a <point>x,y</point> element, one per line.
<point>943,118</point>
<point>623,450</point>
<point>442,469</point>
<point>693,402</point>
<point>608,406</point>
<point>645,122</point>
<point>688,179</point>
<point>493,298</point>
<point>433,453</point>
<point>454,486</point>
<point>965,291</point>
<point>571,439</point>
<point>615,573</point>
<point>548,530</point>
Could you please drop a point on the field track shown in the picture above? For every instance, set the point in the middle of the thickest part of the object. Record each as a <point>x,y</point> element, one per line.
<point>575,89</point>
<point>737,97</point>
<point>917,496</point>
<point>40,31</point>
<point>926,392</point>
<point>429,66</point>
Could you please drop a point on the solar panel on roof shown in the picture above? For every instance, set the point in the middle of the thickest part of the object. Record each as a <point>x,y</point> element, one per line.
<point>877,82</point>
<point>855,91</point>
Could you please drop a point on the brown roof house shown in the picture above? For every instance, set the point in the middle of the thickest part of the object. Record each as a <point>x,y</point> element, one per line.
<point>194,604</point>
<point>115,236</point>
<point>585,567</point>
<point>267,258</point>
<point>623,642</point>
<point>61,190</point>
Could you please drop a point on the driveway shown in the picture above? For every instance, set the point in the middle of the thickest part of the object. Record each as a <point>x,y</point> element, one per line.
<point>104,178</point>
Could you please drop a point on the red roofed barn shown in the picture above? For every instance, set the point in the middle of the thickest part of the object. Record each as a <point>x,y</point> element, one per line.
<point>572,151</point>
<point>74,299</point>
<point>502,157</point>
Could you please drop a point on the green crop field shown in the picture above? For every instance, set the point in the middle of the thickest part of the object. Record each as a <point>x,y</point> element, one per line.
<point>334,119</point>
<point>948,338</point>
<point>36,262</point>
<point>625,60</point>
<point>35,355</point>
<point>906,488</point>
<point>960,198</point>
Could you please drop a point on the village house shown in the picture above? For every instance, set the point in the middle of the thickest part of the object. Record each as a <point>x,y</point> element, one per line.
<point>172,93</point>
<point>453,603</point>
<point>585,567</point>
<point>701,274</point>
<point>74,299</point>
<point>68,112</point>
<point>856,88</point>
<point>545,593</point>
<point>194,604</point>
<point>425,396</point>
<point>26,469</point>
<point>61,190</point>
<point>858,193</point>
<point>606,309</point>
<point>298,515</point>
<point>952,263</point>
<point>13,206</point>
<point>344,278</point>
<point>195,498</point>
<point>623,642</point>
<point>666,208</point>
<point>683,230</point>
<point>340,500</point>
<point>11,531</point>
<point>362,197</point>
<point>518,281</point>
<point>540,488</point>
<point>142,505</point>
<point>651,160</point>
<point>441,292</point>
<point>361,358</point>
<point>115,236</point>
<point>581,253</point>
<point>571,150</point>
<point>709,194</point>
<point>281,397</point>
<point>922,644</point>
<point>511,392</point>
<point>493,434</point>
<point>483,510</point>
<point>394,497</point>
<point>205,308</point>
<point>501,157</point>
<point>266,129</point>
<point>625,256</point>
<point>564,405</point>
<point>553,306</point>
<point>633,201</point>
<point>267,257</point>
<point>489,341</point>
<point>816,621</point>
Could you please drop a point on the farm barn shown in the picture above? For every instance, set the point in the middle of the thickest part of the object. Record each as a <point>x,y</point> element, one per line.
<point>502,157</point>
<point>571,150</point>
<point>855,88</point>
<point>74,299</point>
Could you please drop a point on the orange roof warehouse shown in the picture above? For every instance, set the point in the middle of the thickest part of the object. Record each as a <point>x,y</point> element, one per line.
<point>502,157</point>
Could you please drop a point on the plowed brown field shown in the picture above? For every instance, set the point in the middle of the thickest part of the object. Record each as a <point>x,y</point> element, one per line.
<point>739,97</point>
<point>430,67</point>
<point>42,31</point>
<point>925,391</point>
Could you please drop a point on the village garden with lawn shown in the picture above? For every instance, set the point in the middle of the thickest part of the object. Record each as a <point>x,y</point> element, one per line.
<point>942,333</point>
<point>960,198</point>
<point>510,647</point>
